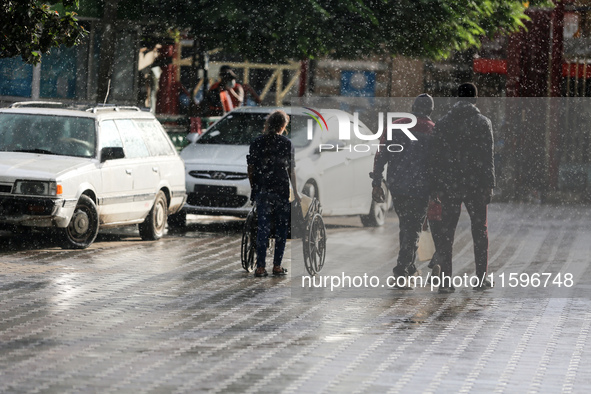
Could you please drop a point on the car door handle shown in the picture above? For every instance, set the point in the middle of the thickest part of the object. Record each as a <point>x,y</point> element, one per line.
<point>128,171</point>
<point>155,169</point>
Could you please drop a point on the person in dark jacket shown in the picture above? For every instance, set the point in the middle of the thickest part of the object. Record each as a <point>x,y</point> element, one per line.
<point>408,181</point>
<point>463,172</point>
<point>270,169</point>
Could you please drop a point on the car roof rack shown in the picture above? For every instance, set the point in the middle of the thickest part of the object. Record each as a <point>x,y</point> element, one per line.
<point>88,107</point>
<point>110,107</point>
<point>38,104</point>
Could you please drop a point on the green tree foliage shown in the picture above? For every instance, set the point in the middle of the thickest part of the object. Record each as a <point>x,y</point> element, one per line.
<point>267,30</point>
<point>30,28</point>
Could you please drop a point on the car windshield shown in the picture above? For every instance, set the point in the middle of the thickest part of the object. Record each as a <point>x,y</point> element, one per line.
<point>47,134</point>
<point>243,128</point>
<point>235,129</point>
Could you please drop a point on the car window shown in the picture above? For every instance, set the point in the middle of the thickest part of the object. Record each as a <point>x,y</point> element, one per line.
<point>133,143</point>
<point>48,134</point>
<point>235,129</point>
<point>110,137</point>
<point>297,131</point>
<point>154,137</point>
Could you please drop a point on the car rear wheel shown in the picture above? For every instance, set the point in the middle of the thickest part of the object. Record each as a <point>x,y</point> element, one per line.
<point>153,227</point>
<point>310,189</point>
<point>377,213</point>
<point>84,225</point>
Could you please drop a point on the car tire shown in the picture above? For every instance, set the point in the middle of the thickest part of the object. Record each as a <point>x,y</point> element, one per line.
<point>178,220</point>
<point>310,189</point>
<point>84,225</point>
<point>153,226</point>
<point>378,210</point>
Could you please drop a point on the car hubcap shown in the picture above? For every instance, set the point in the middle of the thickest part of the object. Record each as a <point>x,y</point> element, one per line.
<point>381,212</point>
<point>80,223</point>
<point>310,190</point>
<point>159,216</point>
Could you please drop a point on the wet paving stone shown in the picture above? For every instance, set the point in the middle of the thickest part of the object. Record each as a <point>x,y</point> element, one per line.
<point>181,315</point>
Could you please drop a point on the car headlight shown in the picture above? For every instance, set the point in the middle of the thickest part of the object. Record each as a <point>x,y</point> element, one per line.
<point>35,188</point>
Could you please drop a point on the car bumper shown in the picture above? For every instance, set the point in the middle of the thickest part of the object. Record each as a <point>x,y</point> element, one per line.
<point>206,203</point>
<point>177,201</point>
<point>200,210</point>
<point>217,197</point>
<point>35,211</point>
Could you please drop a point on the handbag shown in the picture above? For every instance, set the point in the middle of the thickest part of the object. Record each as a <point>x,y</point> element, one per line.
<point>426,246</point>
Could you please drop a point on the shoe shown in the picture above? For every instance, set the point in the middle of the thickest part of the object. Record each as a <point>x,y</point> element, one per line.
<point>260,272</point>
<point>446,289</point>
<point>279,270</point>
<point>484,285</point>
<point>401,272</point>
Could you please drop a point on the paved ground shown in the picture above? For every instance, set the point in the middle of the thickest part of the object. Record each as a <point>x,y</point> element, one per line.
<point>180,315</point>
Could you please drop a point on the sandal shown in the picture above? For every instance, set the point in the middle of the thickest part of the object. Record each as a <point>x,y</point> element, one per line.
<point>261,272</point>
<point>279,270</point>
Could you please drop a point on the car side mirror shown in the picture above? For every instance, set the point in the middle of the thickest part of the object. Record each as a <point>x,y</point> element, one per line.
<point>192,137</point>
<point>112,153</point>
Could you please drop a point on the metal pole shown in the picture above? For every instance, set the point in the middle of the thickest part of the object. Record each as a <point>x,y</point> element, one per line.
<point>576,93</point>
<point>205,67</point>
<point>556,61</point>
<point>569,65</point>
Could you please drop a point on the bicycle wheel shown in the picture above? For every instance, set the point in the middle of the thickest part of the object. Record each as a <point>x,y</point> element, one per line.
<point>249,239</point>
<point>314,244</point>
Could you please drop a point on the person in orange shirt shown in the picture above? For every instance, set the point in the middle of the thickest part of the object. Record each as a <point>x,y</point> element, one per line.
<point>232,93</point>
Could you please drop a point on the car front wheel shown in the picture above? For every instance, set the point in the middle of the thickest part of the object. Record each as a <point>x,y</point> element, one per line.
<point>153,227</point>
<point>84,225</point>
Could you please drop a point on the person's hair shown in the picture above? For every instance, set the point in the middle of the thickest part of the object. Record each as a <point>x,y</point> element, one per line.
<point>227,74</point>
<point>468,92</point>
<point>423,105</point>
<point>276,122</point>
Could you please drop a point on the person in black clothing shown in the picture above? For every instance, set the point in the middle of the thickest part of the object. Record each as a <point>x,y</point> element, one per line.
<point>408,181</point>
<point>270,168</point>
<point>463,172</point>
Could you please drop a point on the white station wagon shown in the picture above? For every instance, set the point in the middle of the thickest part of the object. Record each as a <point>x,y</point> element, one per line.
<point>78,170</point>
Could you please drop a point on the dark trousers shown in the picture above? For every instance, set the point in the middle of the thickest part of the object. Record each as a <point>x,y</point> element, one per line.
<point>438,240</point>
<point>272,210</point>
<point>476,206</point>
<point>411,213</point>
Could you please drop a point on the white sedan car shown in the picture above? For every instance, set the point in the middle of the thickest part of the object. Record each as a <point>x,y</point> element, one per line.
<point>326,167</point>
<point>76,170</point>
